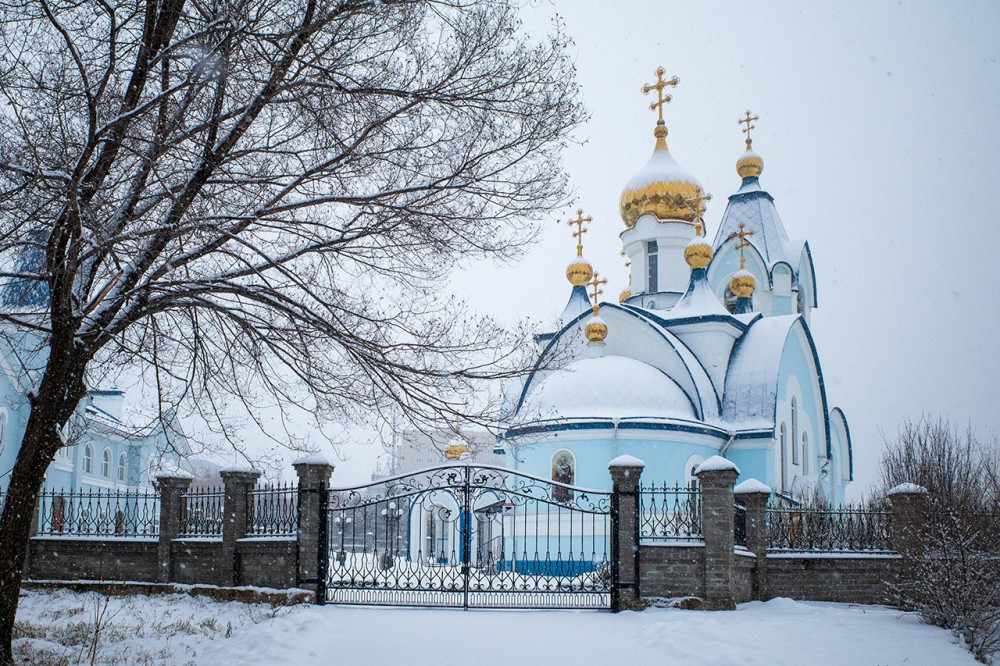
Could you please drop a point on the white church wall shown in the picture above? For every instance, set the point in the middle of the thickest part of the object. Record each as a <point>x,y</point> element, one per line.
<point>671,239</point>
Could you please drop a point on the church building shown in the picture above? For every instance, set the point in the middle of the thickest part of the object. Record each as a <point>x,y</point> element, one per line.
<point>708,353</point>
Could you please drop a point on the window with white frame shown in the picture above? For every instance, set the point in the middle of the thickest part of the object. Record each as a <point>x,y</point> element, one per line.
<point>122,467</point>
<point>106,463</point>
<point>88,459</point>
<point>805,454</point>
<point>782,455</point>
<point>795,432</point>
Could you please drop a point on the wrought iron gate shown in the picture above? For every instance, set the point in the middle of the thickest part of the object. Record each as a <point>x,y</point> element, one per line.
<point>469,537</point>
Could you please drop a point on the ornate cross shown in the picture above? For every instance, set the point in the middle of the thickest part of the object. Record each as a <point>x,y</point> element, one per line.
<point>595,283</point>
<point>746,130</point>
<point>742,244</point>
<point>696,205</point>
<point>580,231</point>
<point>661,99</point>
<point>627,265</point>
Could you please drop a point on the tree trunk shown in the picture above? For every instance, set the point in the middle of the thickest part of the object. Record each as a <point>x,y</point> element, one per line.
<point>15,523</point>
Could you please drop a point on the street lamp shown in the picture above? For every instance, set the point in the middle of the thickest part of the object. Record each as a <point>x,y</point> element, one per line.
<point>391,514</point>
<point>342,524</point>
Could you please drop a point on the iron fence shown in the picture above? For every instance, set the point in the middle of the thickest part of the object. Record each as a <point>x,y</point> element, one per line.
<point>201,513</point>
<point>98,513</point>
<point>272,510</point>
<point>853,529</point>
<point>670,513</point>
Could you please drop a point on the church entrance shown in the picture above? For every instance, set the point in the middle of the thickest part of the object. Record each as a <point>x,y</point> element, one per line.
<point>467,536</point>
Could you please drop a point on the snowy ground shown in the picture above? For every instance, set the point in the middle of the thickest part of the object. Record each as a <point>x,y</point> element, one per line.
<point>178,629</point>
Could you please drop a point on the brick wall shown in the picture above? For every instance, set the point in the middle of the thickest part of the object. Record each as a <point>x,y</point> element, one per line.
<point>199,561</point>
<point>744,573</point>
<point>58,558</point>
<point>856,579</point>
<point>671,570</point>
<point>267,562</point>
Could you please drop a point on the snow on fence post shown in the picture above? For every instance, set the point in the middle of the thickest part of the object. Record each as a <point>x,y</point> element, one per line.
<point>238,482</point>
<point>716,477</point>
<point>625,473</point>
<point>754,495</point>
<point>314,478</point>
<point>172,486</point>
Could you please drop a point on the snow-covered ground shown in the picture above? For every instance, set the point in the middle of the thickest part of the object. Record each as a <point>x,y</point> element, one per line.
<point>178,629</point>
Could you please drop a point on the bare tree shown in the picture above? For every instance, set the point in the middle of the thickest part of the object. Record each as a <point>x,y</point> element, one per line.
<point>245,200</point>
<point>955,581</point>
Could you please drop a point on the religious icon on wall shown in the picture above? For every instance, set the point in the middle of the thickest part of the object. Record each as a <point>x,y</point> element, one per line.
<point>563,471</point>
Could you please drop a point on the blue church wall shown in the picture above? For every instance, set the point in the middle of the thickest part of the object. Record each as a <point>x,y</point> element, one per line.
<point>754,464</point>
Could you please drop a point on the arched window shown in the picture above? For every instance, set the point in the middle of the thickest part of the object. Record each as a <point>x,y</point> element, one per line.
<point>563,471</point>
<point>122,466</point>
<point>805,454</point>
<point>783,455</point>
<point>652,268</point>
<point>88,459</point>
<point>795,432</point>
<point>106,463</point>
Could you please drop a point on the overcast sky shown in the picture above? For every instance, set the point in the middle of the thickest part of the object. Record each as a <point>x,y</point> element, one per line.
<point>881,147</point>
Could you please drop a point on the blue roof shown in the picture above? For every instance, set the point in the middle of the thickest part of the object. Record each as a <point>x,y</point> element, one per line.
<point>754,208</point>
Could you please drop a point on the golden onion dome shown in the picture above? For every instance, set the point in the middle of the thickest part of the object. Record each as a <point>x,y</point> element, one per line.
<point>662,187</point>
<point>579,272</point>
<point>742,284</point>
<point>456,449</point>
<point>698,253</point>
<point>625,295</point>
<point>749,165</point>
<point>596,329</point>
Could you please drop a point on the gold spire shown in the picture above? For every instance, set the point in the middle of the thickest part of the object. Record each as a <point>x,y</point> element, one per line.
<point>742,244</point>
<point>697,205</point>
<point>579,271</point>
<point>580,231</point>
<point>596,330</point>
<point>742,284</point>
<point>661,99</point>
<point>750,164</point>
<point>627,292</point>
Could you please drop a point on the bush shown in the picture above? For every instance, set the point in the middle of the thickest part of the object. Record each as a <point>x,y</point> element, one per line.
<point>954,582</point>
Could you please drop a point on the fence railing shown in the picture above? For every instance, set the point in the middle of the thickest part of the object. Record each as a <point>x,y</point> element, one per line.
<point>669,513</point>
<point>272,510</point>
<point>127,513</point>
<point>201,513</point>
<point>854,529</point>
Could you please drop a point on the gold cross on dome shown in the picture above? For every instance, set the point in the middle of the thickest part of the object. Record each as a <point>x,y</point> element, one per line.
<point>661,99</point>
<point>595,283</point>
<point>628,264</point>
<point>696,204</point>
<point>742,244</point>
<point>580,231</point>
<point>746,130</point>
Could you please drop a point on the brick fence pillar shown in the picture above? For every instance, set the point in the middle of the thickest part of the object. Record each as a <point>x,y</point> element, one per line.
<point>716,477</point>
<point>625,473</point>
<point>314,479</point>
<point>238,483</point>
<point>172,486</point>
<point>909,513</point>
<point>753,495</point>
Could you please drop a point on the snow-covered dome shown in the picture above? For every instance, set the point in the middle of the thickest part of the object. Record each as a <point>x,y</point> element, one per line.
<point>662,187</point>
<point>607,387</point>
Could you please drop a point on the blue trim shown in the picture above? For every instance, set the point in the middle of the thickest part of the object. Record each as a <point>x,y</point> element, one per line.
<point>812,272</point>
<point>543,337</point>
<point>850,446</point>
<point>743,306</point>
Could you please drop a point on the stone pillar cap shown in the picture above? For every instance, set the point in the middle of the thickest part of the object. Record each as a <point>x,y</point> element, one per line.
<point>717,464</point>
<point>751,486</point>
<point>626,461</point>
<point>907,488</point>
<point>239,469</point>
<point>313,459</point>
<point>173,473</point>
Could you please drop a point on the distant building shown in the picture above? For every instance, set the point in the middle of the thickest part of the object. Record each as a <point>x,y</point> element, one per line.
<point>414,450</point>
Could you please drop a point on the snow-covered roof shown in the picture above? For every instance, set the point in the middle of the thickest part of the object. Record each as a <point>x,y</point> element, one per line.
<point>661,168</point>
<point>626,461</point>
<point>717,464</point>
<point>751,486</point>
<point>752,378</point>
<point>698,301</point>
<point>755,209</point>
<point>606,387</point>
<point>579,302</point>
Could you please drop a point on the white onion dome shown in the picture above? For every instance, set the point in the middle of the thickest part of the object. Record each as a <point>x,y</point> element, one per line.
<point>742,284</point>
<point>749,165</point>
<point>609,387</point>
<point>579,272</point>
<point>662,187</point>
<point>596,329</point>
<point>698,253</point>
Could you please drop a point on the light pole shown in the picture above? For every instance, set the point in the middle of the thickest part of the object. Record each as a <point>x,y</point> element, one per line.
<point>391,514</point>
<point>342,524</point>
